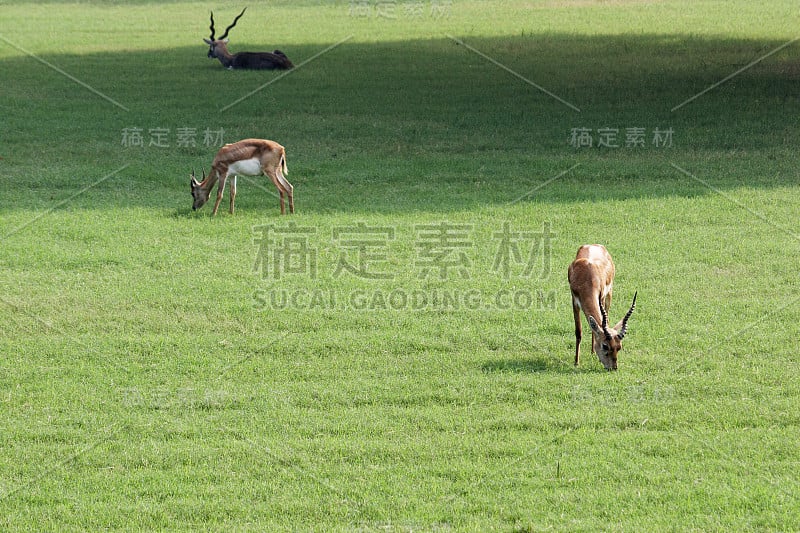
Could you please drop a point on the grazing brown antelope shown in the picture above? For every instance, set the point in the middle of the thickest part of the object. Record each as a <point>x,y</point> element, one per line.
<point>591,280</point>
<point>249,157</point>
<point>218,49</point>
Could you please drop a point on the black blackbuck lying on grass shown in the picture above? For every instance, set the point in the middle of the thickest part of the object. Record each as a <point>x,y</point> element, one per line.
<point>218,49</point>
<point>591,280</point>
<point>249,157</point>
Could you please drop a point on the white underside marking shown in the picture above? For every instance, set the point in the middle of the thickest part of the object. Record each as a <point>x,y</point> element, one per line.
<point>245,167</point>
<point>607,289</point>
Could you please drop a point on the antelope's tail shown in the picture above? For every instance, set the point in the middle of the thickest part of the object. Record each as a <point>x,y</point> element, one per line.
<point>283,169</point>
<point>283,163</point>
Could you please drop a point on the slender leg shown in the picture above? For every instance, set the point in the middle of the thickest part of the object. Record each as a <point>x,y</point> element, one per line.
<point>220,191</point>
<point>284,186</point>
<point>576,311</point>
<point>276,181</point>
<point>233,192</point>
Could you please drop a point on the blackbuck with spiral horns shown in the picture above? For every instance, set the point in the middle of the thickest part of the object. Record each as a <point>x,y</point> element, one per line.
<point>249,157</point>
<point>218,49</point>
<point>591,280</point>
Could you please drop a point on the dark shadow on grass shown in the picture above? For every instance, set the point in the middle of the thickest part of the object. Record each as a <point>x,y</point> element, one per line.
<point>424,125</point>
<point>524,365</point>
<point>534,365</point>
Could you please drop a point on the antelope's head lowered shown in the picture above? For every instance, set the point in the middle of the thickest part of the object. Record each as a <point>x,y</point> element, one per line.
<point>200,192</point>
<point>608,341</point>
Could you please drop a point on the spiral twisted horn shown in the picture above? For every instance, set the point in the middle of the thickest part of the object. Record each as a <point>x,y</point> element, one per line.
<point>232,25</point>
<point>624,327</point>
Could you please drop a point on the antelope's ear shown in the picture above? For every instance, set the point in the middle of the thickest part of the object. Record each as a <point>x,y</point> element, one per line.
<point>226,41</point>
<point>594,326</point>
<point>208,42</point>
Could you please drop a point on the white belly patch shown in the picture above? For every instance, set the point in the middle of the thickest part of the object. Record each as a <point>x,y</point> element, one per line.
<point>245,167</point>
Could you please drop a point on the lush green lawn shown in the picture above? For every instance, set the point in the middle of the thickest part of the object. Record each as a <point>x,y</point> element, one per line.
<point>165,369</point>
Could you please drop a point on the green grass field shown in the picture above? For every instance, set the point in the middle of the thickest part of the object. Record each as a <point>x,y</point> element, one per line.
<point>397,355</point>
